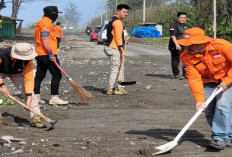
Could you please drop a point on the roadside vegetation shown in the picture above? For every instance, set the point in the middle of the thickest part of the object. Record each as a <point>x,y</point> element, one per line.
<point>199,14</point>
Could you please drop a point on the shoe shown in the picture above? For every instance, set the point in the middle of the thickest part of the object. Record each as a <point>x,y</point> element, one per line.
<point>178,77</point>
<point>36,122</point>
<point>118,92</point>
<point>0,121</point>
<point>55,100</point>
<point>111,91</point>
<point>217,144</point>
<point>38,99</point>
<point>123,90</point>
<point>228,143</point>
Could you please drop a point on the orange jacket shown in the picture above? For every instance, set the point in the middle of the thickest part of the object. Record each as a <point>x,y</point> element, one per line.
<point>212,66</point>
<point>45,25</point>
<point>59,31</point>
<point>117,33</point>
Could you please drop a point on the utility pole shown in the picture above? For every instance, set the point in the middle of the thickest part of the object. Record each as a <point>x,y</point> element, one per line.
<point>106,7</point>
<point>116,2</point>
<point>214,19</point>
<point>144,11</point>
<point>101,8</point>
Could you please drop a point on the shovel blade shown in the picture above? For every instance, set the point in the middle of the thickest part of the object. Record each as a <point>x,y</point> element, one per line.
<point>51,125</point>
<point>165,148</point>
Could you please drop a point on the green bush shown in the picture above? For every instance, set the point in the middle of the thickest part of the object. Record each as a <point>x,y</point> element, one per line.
<point>223,33</point>
<point>5,101</point>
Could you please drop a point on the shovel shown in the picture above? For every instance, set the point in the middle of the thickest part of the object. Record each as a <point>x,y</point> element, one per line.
<point>170,145</point>
<point>51,122</point>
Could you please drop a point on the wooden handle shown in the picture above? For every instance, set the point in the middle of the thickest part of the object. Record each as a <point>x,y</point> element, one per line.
<point>30,109</point>
<point>122,64</point>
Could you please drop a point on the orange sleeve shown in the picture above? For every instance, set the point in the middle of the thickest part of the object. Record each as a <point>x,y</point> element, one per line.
<point>227,52</point>
<point>61,31</point>
<point>194,78</point>
<point>45,27</point>
<point>29,77</point>
<point>118,30</point>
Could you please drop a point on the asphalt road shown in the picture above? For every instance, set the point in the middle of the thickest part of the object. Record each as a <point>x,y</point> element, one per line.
<point>132,125</point>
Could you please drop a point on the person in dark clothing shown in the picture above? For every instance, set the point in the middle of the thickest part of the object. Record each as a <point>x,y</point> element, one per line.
<point>46,47</point>
<point>176,32</point>
<point>88,30</point>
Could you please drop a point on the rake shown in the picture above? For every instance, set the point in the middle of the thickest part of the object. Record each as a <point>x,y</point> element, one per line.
<point>83,95</point>
<point>51,122</point>
<point>170,145</point>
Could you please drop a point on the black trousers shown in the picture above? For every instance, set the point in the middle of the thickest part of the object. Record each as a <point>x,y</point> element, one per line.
<point>58,42</point>
<point>175,61</point>
<point>44,64</point>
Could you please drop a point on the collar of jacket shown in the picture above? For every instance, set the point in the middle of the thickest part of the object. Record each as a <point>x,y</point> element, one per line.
<point>44,17</point>
<point>117,16</point>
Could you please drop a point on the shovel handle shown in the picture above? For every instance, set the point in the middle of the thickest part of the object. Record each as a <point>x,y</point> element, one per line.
<point>196,115</point>
<point>30,109</point>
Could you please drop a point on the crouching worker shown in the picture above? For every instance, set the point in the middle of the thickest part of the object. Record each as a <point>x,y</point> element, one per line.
<point>208,65</point>
<point>17,64</point>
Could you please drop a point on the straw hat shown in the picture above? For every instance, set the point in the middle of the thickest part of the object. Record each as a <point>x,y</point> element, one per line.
<point>23,51</point>
<point>193,36</point>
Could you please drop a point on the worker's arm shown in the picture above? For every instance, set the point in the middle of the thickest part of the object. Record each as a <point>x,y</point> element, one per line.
<point>173,34</point>
<point>4,90</point>
<point>118,29</point>
<point>29,81</point>
<point>178,47</point>
<point>45,39</point>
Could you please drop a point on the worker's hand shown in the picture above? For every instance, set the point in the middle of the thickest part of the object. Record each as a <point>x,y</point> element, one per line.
<point>28,102</point>
<point>5,91</point>
<point>200,105</point>
<point>126,38</point>
<point>178,47</point>
<point>223,85</point>
<point>52,59</point>
<point>123,54</point>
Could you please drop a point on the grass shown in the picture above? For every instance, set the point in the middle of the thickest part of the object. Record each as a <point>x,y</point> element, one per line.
<point>161,42</point>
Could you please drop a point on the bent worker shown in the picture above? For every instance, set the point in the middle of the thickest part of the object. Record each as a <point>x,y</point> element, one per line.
<point>208,65</point>
<point>17,64</point>
<point>46,47</point>
<point>114,48</point>
<point>59,33</point>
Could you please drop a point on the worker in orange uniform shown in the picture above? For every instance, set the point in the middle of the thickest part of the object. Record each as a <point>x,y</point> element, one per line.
<point>16,63</point>
<point>208,65</point>
<point>114,48</point>
<point>59,33</point>
<point>46,47</point>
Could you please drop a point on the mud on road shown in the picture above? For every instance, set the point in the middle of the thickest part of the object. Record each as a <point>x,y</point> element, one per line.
<point>151,114</point>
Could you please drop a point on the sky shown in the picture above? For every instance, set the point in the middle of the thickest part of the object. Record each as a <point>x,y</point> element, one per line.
<point>33,12</point>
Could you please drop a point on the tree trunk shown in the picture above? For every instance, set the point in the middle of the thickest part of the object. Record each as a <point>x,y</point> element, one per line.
<point>15,7</point>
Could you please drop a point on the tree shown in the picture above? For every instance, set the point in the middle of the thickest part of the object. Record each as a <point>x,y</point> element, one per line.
<point>72,16</point>
<point>2,4</point>
<point>16,4</point>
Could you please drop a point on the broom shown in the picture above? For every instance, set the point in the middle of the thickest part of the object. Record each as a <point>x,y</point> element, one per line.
<point>83,95</point>
<point>124,83</point>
